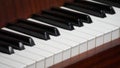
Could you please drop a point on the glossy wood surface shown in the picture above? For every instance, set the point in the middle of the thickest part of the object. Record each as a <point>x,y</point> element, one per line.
<point>10,10</point>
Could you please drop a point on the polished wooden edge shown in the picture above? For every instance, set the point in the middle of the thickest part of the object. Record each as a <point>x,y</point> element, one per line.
<point>87,54</point>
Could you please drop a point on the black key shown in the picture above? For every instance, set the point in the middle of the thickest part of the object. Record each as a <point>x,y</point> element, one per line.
<point>6,48</point>
<point>79,16</point>
<point>74,21</point>
<point>110,2</point>
<point>24,29</point>
<point>86,9</point>
<point>15,43</point>
<point>49,29</point>
<point>24,39</point>
<point>54,21</point>
<point>105,8</point>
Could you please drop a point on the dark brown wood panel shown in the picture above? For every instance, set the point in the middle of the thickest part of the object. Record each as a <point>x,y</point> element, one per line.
<point>32,3</point>
<point>26,6</point>
<point>39,5</point>
<point>2,13</point>
<point>10,10</point>
<point>107,59</point>
<point>18,8</point>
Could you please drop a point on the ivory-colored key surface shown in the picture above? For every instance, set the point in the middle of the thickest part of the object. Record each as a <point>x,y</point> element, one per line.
<point>11,63</point>
<point>29,63</point>
<point>4,66</point>
<point>40,60</point>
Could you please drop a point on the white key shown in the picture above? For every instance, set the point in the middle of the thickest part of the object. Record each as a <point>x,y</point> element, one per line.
<point>98,35</point>
<point>49,56</point>
<point>66,50</point>
<point>114,29</point>
<point>111,30</point>
<point>57,52</point>
<point>40,60</point>
<point>4,66</point>
<point>83,37</point>
<point>11,63</point>
<point>29,63</point>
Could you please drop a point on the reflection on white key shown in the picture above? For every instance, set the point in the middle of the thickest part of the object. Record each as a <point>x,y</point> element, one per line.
<point>29,63</point>
<point>11,63</point>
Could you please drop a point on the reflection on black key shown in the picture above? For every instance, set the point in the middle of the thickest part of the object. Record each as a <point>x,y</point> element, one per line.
<point>74,21</point>
<point>24,39</point>
<point>49,29</point>
<point>86,9</point>
<point>6,48</point>
<point>105,8</point>
<point>111,2</point>
<point>21,28</point>
<point>54,21</point>
<point>79,16</point>
<point>15,43</point>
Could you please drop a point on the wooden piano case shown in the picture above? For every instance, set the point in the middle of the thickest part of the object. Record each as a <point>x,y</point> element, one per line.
<point>11,10</point>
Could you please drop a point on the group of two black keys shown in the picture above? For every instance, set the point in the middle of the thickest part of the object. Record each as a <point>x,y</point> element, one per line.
<point>55,16</point>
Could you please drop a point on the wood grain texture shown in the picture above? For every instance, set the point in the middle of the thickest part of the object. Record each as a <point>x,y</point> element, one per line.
<point>10,10</point>
<point>18,9</point>
<point>2,13</point>
<point>26,7</point>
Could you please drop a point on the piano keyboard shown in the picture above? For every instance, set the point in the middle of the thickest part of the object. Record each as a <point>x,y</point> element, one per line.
<point>58,34</point>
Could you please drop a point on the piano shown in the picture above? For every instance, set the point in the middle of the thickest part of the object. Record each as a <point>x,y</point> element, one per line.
<point>56,33</point>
